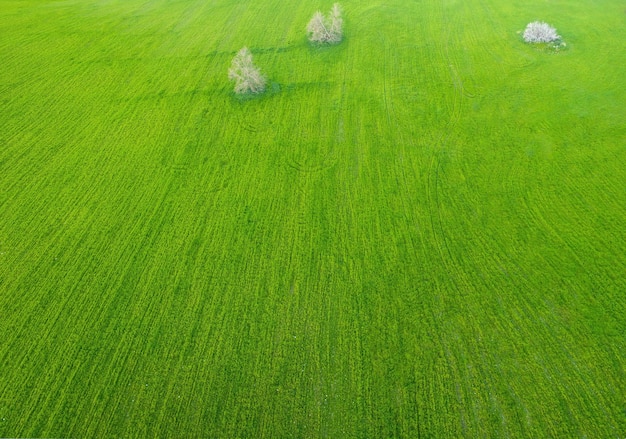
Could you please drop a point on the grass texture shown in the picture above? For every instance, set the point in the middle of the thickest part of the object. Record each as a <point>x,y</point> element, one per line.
<point>420,232</point>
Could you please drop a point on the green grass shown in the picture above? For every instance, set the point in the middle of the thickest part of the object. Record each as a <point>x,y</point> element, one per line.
<point>420,232</point>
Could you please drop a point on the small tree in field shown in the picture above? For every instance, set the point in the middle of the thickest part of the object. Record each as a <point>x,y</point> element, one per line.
<point>539,32</point>
<point>247,77</point>
<point>326,30</point>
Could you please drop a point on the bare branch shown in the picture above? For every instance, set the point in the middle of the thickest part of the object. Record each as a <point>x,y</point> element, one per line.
<point>247,77</point>
<point>326,30</point>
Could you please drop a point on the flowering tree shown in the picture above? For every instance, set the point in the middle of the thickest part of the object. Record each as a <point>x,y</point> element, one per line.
<point>326,30</point>
<point>539,32</point>
<point>247,77</point>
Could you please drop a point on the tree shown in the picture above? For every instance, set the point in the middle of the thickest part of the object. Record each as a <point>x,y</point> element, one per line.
<point>247,77</point>
<point>326,30</point>
<point>539,32</point>
<point>336,23</point>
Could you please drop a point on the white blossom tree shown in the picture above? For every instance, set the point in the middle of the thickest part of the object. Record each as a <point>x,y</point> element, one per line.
<point>539,32</point>
<point>247,77</point>
<point>326,30</point>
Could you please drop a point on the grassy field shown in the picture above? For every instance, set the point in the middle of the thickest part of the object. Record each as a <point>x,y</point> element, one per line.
<point>420,232</point>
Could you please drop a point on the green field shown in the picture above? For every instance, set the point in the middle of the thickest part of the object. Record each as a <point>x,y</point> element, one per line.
<point>419,232</point>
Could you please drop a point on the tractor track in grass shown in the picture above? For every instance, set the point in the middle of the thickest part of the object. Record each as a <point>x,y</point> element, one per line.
<point>440,147</point>
<point>302,164</point>
<point>456,35</point>
<point>470,419</point>
<point>411,229</point>
<point>313,147</point>
<point>314,154</point>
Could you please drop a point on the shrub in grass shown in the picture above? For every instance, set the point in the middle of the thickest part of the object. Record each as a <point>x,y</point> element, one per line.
<point>539,32</point>
<point>326,30</point>
<point>247,77</point>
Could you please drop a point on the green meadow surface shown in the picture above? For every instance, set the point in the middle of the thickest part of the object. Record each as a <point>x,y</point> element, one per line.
<point>420,232</point>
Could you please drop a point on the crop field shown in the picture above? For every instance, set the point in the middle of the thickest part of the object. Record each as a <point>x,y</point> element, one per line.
<point>418,232</point>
